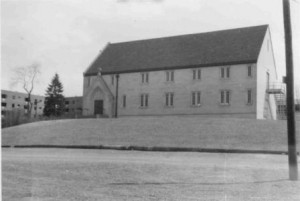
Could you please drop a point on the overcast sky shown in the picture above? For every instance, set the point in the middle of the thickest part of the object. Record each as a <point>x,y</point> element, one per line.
<point>65,36</point>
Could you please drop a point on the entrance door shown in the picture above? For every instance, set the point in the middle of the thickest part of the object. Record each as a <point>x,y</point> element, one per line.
<point>98,107</point>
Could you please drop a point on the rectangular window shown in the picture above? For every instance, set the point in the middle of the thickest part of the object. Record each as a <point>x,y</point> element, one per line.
<point>222,72</point>
<point>124,101</point>
<point>249,70</point>
<point>26,99</point>
<point>144,100</point>
<point>3,96</point>
<point>170,76</point>
<point>225,72</point>
<point>249,96</point>
<point>225,97</point>
<point>3,104</point>
<point>112,80</point>
<point>13,105</point>
<point>199,74</point>
<point>88,81</point>
<point>145,77</point>
<point>13,97</point>
<point>196,98</point>
<point>196,74</point>
<point>169,99</point>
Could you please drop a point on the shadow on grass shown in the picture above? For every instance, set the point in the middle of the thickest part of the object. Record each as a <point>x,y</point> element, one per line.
<point>205,184</point>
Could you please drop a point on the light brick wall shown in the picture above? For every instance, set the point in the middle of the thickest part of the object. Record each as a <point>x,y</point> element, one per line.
<point>210,85</point>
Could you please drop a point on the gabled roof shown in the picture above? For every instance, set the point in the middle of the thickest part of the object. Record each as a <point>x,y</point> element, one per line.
<point>226,47</point>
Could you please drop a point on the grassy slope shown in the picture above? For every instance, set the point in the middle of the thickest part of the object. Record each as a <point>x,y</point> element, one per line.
<point>151,131</point>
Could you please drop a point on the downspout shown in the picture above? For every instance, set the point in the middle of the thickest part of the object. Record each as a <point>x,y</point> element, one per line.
<point>117,91</point>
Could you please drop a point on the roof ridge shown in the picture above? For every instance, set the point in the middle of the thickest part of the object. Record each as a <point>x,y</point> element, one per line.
<point>190,34</point>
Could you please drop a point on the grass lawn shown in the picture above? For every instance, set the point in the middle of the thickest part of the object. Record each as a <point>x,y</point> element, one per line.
<point>66,174</point>
<point>174,131</point>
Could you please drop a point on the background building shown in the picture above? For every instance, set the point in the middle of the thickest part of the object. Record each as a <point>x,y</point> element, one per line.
<point>73,106</point>
<point>17,101</point>
<point>223,73</point>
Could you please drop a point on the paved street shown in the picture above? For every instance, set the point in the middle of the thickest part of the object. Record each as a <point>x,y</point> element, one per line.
<point>67,174</point>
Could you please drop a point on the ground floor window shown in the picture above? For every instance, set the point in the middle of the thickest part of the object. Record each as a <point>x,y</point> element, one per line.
<point>169,99</point>
<point>144,100</point>
<point>249,96</point>
<point>124,101</point>
<point>196,98</point>
<point>225,97</point>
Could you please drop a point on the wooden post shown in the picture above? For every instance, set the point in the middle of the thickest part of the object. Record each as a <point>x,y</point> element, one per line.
<point>292,149</point>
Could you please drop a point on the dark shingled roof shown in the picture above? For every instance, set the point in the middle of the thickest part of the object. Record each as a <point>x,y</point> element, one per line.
<point>226,47</point>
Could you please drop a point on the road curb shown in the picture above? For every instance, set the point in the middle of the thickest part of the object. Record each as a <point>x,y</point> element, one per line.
<point>144,148</point>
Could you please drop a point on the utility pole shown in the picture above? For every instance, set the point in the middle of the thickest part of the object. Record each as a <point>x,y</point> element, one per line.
<point>117,95</point>
<point>292,149</point>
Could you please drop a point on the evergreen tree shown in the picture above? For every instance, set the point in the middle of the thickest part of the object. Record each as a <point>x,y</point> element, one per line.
<point>54,100</point>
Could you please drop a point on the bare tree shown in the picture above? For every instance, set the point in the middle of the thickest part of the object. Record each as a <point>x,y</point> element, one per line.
<point>26,77</point>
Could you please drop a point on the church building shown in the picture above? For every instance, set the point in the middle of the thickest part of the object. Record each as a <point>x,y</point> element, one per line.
<point>222,73</point>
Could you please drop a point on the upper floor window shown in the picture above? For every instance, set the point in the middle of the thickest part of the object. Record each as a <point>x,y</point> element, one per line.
<point>4,96</point>
<point>124,101</point>
<point>169,99</point>
<point>196,74</point>
<point>196,98</point>
<point>249,71</point>
<point>249,97</point>
<point>112,80</point>
<point>225,97</point>
<point>26,99</point>
<point>13,97</point>
<point>225,72</point>
<point>144,100</point>
<point>145,77</point>
<point>170,76</point>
